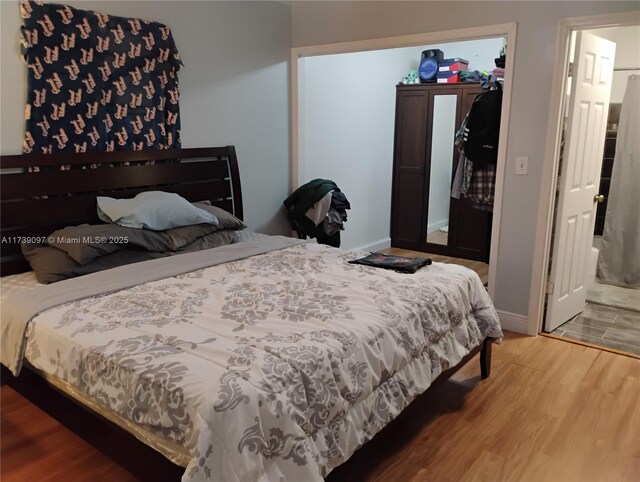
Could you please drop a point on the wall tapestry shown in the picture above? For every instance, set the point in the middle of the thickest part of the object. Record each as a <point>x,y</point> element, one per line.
<point>98,82</point>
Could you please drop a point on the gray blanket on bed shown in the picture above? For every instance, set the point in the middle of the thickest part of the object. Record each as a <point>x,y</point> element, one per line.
<point>22,307</point>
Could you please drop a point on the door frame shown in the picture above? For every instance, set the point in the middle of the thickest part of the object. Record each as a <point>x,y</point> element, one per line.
<point>551,162</point>
<point>507,30</point>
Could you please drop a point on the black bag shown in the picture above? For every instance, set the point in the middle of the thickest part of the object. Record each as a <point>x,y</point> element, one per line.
<point>482,132</point>
<point>396,263</point>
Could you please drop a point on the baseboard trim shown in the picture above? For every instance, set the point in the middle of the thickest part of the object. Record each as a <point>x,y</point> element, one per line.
<point>437,225</point>
<point>514,322</point>
<point>375,246</point>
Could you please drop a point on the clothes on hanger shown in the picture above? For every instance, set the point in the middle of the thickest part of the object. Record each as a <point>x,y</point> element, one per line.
<point>464,170</point>
<point>475,181</point>
<point>481,189</point>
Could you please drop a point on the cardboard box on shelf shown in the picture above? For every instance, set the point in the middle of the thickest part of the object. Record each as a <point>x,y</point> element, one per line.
<point>448,77</point>
<point>448,65</point>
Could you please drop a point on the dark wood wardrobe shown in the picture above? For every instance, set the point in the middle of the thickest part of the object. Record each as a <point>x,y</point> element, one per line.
<point>423,124</point>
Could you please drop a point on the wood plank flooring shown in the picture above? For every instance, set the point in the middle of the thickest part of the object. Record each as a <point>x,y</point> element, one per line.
<point>551,411</point>
<point>438,237</point>
<point>478,266</point>
<point>34,446</point>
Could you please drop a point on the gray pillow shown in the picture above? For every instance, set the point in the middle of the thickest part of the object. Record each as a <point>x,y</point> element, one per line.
<point>155,210</point>
<point>211,240</point>
<point>52,264</point>
<point>86,242</point>
<point>226,220</point>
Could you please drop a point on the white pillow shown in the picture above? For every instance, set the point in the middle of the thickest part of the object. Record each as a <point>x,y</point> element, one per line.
<point>155,210</point>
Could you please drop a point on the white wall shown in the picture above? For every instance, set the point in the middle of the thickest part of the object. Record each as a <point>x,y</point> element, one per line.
<point>627,41</point>
<point>317,23</point>
<point>346,127</point>
<point>234,87</point>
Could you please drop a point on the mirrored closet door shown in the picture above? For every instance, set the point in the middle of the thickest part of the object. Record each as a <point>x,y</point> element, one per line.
<point>441,169</point>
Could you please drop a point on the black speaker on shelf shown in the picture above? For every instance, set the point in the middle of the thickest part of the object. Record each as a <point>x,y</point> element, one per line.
<point>428,70</point>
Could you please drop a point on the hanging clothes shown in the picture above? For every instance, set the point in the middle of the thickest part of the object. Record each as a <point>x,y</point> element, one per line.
<point>461,180</point>
<point>481,190</point>
<point>474,181</point>
<point>464,169</point>
<point>477,143</point>
<point>619,259</point>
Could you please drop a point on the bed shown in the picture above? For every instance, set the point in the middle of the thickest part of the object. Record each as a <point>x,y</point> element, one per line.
<point>266,359</point>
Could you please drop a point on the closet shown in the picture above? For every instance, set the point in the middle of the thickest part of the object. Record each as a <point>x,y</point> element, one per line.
<point>424,217</point>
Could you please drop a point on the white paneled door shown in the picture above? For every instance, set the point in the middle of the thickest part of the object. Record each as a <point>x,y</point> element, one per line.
<point>579,181</point>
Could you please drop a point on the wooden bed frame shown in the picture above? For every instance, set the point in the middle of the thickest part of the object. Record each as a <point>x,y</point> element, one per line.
<point>38,203</point>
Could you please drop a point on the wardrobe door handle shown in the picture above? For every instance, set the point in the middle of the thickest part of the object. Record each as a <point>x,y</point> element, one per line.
<point>598,198</point>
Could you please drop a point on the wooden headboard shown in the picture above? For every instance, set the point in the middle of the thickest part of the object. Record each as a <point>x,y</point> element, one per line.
<point>38,203</point>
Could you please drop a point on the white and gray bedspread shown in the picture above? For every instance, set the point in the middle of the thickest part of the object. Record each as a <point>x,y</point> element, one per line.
<point>273,367</point>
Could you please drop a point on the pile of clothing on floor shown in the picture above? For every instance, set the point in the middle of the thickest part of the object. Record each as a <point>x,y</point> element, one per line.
<point>318,210</point>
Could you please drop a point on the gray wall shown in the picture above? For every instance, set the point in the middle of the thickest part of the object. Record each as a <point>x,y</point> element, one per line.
<point>325,22</point>
<point>234,87</point>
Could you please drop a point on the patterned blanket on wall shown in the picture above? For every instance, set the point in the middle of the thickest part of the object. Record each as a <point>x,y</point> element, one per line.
<point>98,82</point>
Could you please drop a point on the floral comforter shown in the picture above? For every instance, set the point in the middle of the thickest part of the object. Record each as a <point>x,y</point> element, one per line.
<point>273,367</point>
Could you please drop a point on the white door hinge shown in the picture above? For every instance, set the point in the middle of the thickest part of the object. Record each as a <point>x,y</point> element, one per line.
<point>570,69</point>
<point>549,288</point>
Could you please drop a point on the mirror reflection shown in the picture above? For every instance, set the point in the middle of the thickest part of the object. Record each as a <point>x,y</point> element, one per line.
<point>444,126</point>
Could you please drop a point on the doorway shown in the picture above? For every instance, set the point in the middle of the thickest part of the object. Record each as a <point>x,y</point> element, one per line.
<point>586,302</point>
<point>298,113</point>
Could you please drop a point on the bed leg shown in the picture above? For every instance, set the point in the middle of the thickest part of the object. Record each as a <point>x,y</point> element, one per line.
<point>485,358</point>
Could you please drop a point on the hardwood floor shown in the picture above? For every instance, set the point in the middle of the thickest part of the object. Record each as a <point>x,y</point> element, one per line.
<point>478,266</point>
<point>551,411</point>
<point>65,443</point>
<point>438,237</point>
<point>36,447</point>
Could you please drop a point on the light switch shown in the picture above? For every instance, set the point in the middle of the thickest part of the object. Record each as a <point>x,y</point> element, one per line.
<point>522,165</point>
